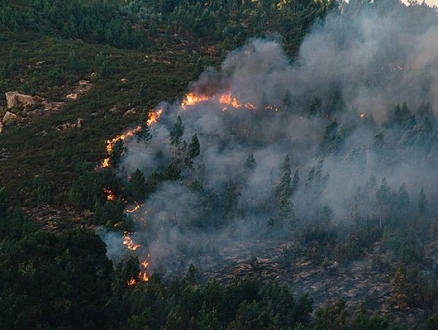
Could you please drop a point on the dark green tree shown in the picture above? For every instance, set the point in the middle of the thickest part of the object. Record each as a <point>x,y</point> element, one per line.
<point>422,202</point>
<point>177,132</point>
<point>137,186</point>
<point>178,145</point>
<point>116,153</point>
<point>250,162</point>
<point>193,151</point>
<point>3,202</point>
<point>142,93</point>
<point>143,134</point>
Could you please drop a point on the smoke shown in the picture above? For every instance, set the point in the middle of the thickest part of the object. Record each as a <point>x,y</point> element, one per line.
<point>330,110</point>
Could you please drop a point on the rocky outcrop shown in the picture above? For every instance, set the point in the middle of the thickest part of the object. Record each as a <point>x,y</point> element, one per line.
<point>16,100</point>
<point>82,87</point>
<point>53,106</point>
<point>69,125</point>
<point>9,117</point>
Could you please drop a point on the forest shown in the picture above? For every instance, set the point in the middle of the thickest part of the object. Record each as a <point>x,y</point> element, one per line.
<point>181,164</point>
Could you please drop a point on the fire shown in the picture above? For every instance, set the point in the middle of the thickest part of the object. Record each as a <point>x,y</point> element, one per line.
<point>110,196</point>
<point>153,117</point>
<point>131,282</point>
<point>142,275</point>
<point>143,267</point>
<point>144,263</point>
<point>192,99</point>
<point>129,243</point>
<point>134,209</point>
<point>225,99</point>
<point>229,100</point>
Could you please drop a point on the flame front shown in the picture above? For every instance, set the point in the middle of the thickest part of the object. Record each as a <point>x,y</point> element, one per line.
<point>153,117</point>
<point>229,100</point>
<point>226,100</point>
<point>191,99</point>
<point>134,209</point>
<point>144,262</point>
<point>143,270</point>
<point>129,243</point>
<point>110,196</point>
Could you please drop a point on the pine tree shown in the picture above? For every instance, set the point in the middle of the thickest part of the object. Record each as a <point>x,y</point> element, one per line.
<point>283,189</point>
<point>177,132</point>
<point>422,202</point>
<point>137,185</point>
<point>177,144</point>
<point>283,193</point>
<point>250,162</point>
<point>295,181</point>
<point>142,93</point>
<point>116,154</point>
<point>193,151</point>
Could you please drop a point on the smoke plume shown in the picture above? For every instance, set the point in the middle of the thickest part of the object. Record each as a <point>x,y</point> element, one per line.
<point>350,114</point>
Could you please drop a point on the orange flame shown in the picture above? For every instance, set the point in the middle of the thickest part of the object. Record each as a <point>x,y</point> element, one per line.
<point>143,274</point>
<point>134,209</point>
<point>132,281</point>
<point>110,196</point>
<point>153,117</point>
<point>144,262</point>
<point>192,99</point>
<point>229,100</point>
<point>225,99</point>
<point>129,243</point>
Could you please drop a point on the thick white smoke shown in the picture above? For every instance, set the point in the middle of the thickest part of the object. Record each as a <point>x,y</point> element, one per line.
<point>363,62</point>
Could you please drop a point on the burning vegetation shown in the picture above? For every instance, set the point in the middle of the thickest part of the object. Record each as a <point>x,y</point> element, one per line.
<point>329,188</point>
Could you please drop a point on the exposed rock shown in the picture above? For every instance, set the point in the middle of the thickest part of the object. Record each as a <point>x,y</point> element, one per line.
<point>3,153</point>
<point>9,117</point>
<point>114,109</point>
<point>131,111</point>
<point>39,64</point>
<point>69,125</point>
<point>72,96</point>
<point>35,113</point>
<point>53,106</point>
<point>16,100</point>
<point>82,87</point>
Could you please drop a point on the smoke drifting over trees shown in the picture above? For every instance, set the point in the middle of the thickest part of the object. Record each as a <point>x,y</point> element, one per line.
<point>341,135</point>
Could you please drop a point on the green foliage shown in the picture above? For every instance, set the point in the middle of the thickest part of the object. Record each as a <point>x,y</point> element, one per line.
<point>54,281</point>
<point>250,162</point>
<point>42,189</point>
<point>3,202</point>
<point>136,186</point>
<point>116,154</point>
<point>332,317</point>
<point>193,151</point>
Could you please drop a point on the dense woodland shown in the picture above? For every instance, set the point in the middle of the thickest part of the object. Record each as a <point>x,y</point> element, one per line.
<point>56,272</point>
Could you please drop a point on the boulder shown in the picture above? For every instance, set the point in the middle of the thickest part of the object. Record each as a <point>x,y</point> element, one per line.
<point>16,100</point>
<point>53,106</point>
<point>72,96</point>
<point>9,117</point>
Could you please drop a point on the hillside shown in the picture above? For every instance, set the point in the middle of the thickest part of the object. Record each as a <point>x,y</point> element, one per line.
<point>218,164</point>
